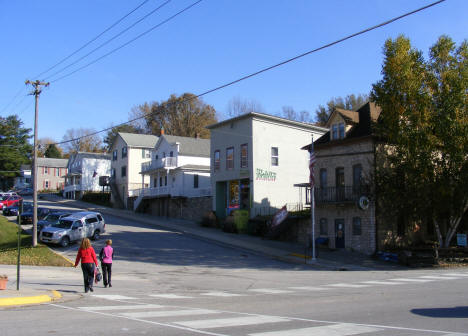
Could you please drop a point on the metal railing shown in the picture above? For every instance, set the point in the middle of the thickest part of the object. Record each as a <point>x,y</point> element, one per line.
<point>337,194</point>
<point>168,162</point>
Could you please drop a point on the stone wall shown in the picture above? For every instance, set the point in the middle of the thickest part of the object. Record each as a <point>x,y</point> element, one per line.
<point>184,208</point>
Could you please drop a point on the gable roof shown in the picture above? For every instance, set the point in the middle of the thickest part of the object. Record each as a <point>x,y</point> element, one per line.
<point>138,140</point>
<point>189,146</point>
<point>51,162</point>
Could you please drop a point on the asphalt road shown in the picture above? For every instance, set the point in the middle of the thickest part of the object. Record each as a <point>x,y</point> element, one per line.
<point>167,283</point>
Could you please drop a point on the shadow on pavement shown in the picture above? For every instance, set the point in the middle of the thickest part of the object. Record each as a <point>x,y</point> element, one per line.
<point>452,312</point>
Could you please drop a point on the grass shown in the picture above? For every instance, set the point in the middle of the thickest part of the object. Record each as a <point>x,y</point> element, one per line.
<point>40,255</point>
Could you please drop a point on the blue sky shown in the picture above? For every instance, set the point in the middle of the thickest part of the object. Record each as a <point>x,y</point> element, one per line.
<point>213,43</point>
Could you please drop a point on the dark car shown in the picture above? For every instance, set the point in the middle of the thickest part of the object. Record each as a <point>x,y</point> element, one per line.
<point>27,216</point>
<point>25,192</point>
<point>51,218</point>
<point>12,210</point>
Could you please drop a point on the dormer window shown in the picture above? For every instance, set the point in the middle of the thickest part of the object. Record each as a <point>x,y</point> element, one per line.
<point>338,131</point>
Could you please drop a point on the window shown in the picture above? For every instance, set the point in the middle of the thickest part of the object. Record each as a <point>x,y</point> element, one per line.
<point>244,156</point>
<point>124,171</point>
<point>157,156</point>
<point>124,152</point>
<point>334,132</point>
<point>165,180</point>
<point>323,178</point>
<point>274,156</point>
<point>357,175</point>
<point>155,182</point>
<point>340,184</point>
<point>323,227</point>
<point>171,154</point>
<point>114,155</point>
<point>57,171</point>
<point>46,184</point>
<point>217,160</point>
<point>164,155</point>
<point>356,226</point>
<point>91,220</point>
<point>230,158</point>
<point>145,154</point>
<point>46,170</point>
<point>160,181</point>
<point>341,130</point>
<point>195,181</point>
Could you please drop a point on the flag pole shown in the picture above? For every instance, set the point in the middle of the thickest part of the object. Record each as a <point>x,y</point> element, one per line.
<point>312,196</point>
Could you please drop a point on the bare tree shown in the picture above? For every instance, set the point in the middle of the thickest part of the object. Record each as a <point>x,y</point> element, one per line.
<point>238,106</point>
<point>80,140</point>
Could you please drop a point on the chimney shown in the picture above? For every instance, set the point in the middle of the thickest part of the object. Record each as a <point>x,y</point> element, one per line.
<point>162,131</point>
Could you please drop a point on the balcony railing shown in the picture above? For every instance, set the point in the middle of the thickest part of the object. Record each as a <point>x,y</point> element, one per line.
<point>168,162</point>
<point>172,191</point>
<point>337,194</point>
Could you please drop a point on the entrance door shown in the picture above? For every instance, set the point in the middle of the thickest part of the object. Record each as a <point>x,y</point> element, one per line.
<point>221,201</point>
<point>339,233</point>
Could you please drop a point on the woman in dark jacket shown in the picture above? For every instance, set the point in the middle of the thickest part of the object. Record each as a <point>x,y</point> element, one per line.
<point>88,259</point>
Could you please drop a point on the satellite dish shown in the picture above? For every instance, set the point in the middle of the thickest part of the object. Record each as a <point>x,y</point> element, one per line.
<point>363,202</point>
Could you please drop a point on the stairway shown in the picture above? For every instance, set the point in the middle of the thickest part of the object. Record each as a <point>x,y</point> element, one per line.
<point>116,193</point>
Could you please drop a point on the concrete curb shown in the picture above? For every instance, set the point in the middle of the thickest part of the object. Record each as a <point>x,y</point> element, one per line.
<point>29,300</point>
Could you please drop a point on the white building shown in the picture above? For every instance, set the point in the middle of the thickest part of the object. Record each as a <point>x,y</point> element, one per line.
<point>25,179</point>
<point>128,152</point>
<point>256,160</point>
<point>84,170</point>
<point>179,174</point>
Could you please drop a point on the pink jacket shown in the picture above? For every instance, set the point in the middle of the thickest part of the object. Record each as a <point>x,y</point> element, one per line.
<point>107,254</point>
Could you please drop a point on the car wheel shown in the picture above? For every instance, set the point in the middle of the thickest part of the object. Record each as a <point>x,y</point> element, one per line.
<point>95,235</point>
<point>65,242</point>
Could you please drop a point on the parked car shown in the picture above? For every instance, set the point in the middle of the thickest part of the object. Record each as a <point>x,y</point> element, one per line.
<point>27,216</point>
<point>12,210</point>
<point>25,192</point>
<point>9,200</point>
<point>74,227</point>
<point>51,218</point>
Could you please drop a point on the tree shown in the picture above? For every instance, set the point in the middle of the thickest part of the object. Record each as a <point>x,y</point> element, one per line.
<point>424,172</point>
<point>185,115</point>
<point>350,102</point>
<point>42,145</point>
<point>15,149</point>
<point>81,140</point>
<point>112,134</point>
<point>291,114</point>
<point>238,106</point>
<point>53,152</point>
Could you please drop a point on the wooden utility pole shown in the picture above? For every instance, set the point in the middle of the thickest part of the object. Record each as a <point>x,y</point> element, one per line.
<point>37,91</point>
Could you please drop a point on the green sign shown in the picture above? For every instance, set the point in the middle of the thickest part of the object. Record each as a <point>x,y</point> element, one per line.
<point>265,175</point>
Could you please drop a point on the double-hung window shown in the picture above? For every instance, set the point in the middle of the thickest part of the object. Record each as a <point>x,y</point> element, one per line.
<point>217,160</point>
<point>274,156</point>
<point>124,152</point>
<point>244,156</point>
<point>114,155</point>
<point>230,158</point>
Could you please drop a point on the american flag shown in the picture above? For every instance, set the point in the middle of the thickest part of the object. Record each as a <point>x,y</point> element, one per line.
<point>311,165</point>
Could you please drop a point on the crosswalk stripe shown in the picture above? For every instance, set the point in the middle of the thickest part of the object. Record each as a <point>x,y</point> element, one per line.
<point>411,280</point>
<point>457,274</point>
<point>342,329</point>
<point>231,322</point>
<point>171,296</point>
<point>221,294</point>
<point>309,288</point>
<point>382,282</point>
<point>270,291</point>
<point>169,313</point>
<point>114,297</point>
<point>124,307</point>
<point>437,277</point>
<point>345,285</point>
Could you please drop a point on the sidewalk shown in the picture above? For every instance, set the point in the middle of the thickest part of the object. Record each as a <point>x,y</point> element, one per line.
<point>285,251</point>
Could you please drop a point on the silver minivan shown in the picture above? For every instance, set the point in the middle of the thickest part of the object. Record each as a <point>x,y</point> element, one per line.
<point>85,224</point>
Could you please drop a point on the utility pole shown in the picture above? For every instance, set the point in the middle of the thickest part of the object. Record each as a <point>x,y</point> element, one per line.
<point>37,91</point>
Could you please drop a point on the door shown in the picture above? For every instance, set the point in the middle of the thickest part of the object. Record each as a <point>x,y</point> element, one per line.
<point>339,233</point>
<point>339,184</point>
<point>77,231</point>
<point>221,200</point>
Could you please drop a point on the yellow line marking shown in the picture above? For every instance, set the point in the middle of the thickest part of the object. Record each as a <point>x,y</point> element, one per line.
<point>56,295</point>
<point>25,300</point>
<point>299,255</point>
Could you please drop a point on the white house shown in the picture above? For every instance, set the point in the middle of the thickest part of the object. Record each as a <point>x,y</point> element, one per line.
<point>25,179</point>
<point>179,172</point>
<point>128,152</point>
<point>84,170</point>
<point>256,160</point>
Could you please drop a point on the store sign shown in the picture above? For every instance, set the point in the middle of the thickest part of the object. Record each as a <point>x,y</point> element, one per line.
<point>265,175</point>
<point>461,239</point>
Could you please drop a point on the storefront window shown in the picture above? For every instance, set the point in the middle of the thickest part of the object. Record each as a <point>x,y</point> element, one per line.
<point>233,195</point>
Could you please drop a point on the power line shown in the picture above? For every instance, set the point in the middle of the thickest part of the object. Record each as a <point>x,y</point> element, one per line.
<point>127,43</point>
<point>109,40</point>
<point>76,51</point>
<point>264,69</point>
<point>92,40</point>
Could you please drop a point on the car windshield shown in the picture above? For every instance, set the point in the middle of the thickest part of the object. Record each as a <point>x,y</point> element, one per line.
<point>63,224</point>
<point>52,218</point>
